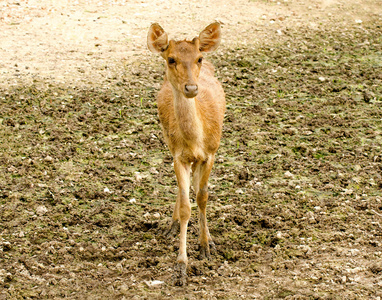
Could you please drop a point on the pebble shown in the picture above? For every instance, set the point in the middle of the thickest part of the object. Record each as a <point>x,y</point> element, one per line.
<point>156,215</point>
<point>138,176</point>
<point>49,158</point>
<point>154,171</point>
<point>41,210</point>
<point>153,283</point>
<point>354,252</point>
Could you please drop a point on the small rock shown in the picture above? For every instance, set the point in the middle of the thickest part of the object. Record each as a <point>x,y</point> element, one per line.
<point>357,279</point>
<point>305,249</point>
<point>239,191</point>
<point>288,174</point>
<point>138,176</point>
<point>310,215</point>
<point>106,190</point>
<point>354,252</point>
<point>156,215</point>
<point>124,288</point>
<point>41,210</point>
<point>357,168</point>
<point>154,171</point>
<point>133,200</point>
<point>153,283</point>
<point>322,79</point>
<point>347,192</point>
<point>12,169</point>
<point>355,270</point>
<point>48,158</point>
<point>5,246</point>
<point>367,96</point>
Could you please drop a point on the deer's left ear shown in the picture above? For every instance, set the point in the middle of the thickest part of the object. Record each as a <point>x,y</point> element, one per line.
<point>210,38</point>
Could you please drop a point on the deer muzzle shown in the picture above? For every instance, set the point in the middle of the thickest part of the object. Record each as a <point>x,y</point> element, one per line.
<point>190,90</point>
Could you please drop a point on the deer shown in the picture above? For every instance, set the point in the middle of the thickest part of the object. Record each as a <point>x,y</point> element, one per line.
<point>191,107</point>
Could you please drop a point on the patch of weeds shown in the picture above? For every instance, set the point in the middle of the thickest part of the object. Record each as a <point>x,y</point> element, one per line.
<point>229,254</point>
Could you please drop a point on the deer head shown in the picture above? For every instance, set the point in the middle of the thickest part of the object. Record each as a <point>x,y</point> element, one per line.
<point>184,58</point>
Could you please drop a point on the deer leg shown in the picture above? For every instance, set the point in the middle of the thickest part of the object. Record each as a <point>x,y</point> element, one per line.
<point>201,175</point>
<point>182,172</point>
<point>196,181</point>
<point>175,224</point>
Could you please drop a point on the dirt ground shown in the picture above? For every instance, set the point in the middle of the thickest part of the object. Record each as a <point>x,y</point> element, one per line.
<point>86,182</point>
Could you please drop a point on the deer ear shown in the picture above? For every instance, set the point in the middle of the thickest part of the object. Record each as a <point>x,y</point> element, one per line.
<point>157,40</point>
<point>210,38</point>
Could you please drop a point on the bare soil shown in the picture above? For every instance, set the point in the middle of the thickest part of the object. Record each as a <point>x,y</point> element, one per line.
<point>86,182</point>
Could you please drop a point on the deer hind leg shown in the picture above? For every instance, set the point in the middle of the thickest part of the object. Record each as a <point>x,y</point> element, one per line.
<point>183,212</point>
<point>201,173</point>
<point>175,223</point>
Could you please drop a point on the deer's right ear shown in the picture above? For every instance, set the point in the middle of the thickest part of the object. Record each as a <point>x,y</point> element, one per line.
<point>157,40</point>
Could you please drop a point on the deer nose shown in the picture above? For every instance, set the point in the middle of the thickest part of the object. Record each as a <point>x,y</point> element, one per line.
<point>190,90</point>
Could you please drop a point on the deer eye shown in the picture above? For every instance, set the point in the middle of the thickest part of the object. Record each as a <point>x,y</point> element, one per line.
<point>171,61</point>
<point>200,60</point>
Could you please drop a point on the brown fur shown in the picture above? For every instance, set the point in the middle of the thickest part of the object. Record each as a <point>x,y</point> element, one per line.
<point>180,136</point>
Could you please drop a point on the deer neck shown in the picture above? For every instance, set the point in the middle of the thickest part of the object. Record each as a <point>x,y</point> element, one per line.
<point>187,116</point>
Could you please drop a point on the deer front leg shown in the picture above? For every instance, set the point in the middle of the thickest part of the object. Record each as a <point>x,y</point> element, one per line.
<point>183,210</point>
<point>201,174</point>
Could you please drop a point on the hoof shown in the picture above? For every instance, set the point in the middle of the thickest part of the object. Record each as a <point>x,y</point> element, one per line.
<point>212,246</point>
<point>180,274</point>
<point>204,252</point>
<point>173,231</point>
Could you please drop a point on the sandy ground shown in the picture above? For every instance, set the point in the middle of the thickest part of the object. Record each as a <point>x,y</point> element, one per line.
<point>82,41</point>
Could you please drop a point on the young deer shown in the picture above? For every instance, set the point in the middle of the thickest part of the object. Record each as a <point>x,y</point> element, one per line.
<point>191,106</point>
